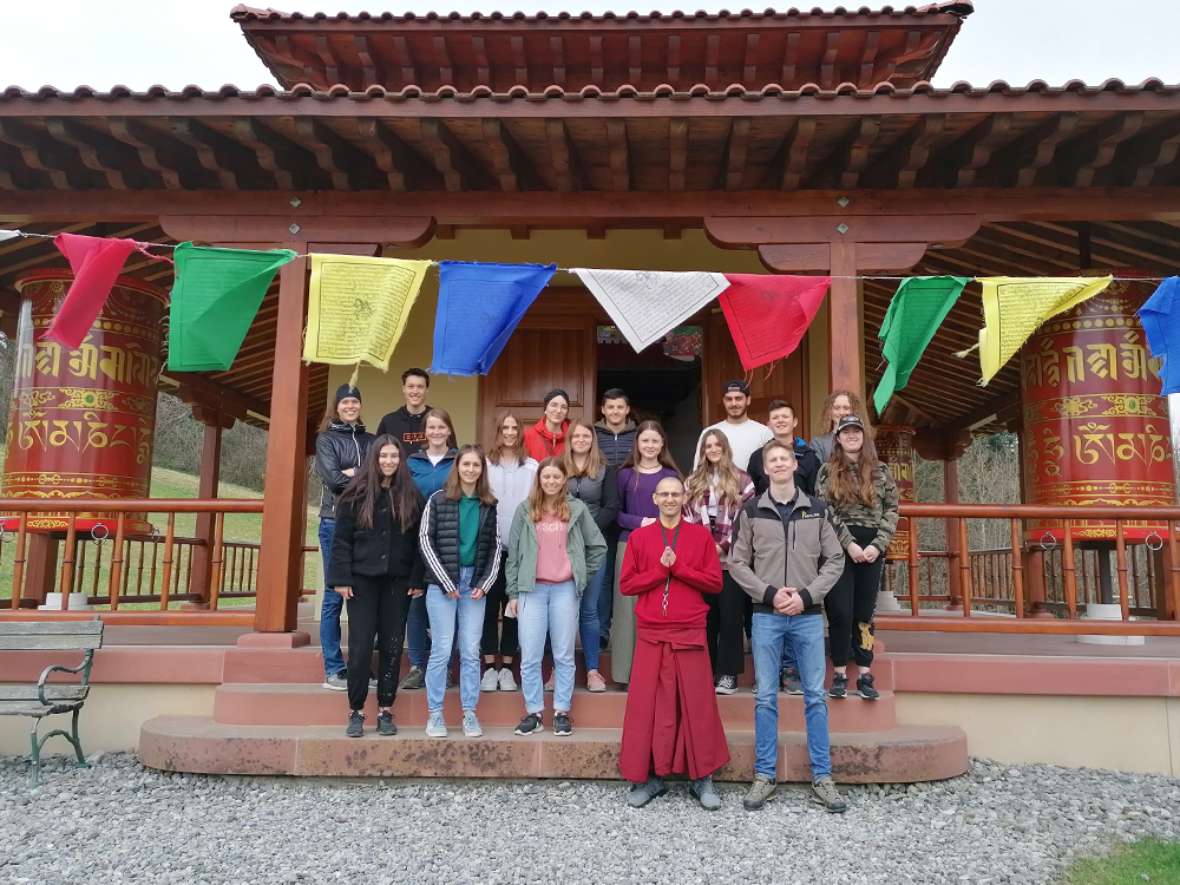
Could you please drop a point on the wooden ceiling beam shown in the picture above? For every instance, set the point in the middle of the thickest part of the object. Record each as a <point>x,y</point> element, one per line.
<point>1002,400</point>
<point>1146,154</point>
<point>165,160</point>
<point>750,59</point>
<point>677,153</point>
<point>364,53</point>
<point>404,59</point>
<point>1114,242</point>
<point>340,160</point>
<point>568,174</point>
<point>736,146</point>
<point>327,58</point>
<point>199,388</point>
<point>620,169</point>
<point>902,161</point>
<point>557,57</point>
<point>114,161</point>
<point>790,56</point>
<point>827,62</point>
<point>635,59</point>
<point>510,165</point>
<point>1139,232</point>
<point>958,164</point>
<point>396,159</point>
<point>20,244</point>
<point>794,149</point>
<point>41,157</point>
<point>459,169</point>
<point>483,69</point>
<point>1018,164</point>
<point>442,57</point>
<point>292,165</point>
<point>673,51</point>
<point>868,57</point>
<point>1092,151</point>
<point>219,155</point>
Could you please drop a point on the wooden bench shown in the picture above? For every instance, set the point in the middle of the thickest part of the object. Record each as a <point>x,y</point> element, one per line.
<point>43,699</point>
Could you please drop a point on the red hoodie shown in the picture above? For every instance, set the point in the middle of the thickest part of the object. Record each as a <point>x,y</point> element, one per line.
<point>541,444</point>
<point>696,571</point>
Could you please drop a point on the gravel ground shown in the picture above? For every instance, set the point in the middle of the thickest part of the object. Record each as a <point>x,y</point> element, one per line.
<point>119,822</point>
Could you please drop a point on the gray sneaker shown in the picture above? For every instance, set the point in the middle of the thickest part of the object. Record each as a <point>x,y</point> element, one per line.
<point>759,794</point>
<point>641,794</point>
<point>703,791</point>
<point>415,679</point>
<point>471,726</point>
<point>339,682</point>
<point>825,793</point>
<point>435,726</point>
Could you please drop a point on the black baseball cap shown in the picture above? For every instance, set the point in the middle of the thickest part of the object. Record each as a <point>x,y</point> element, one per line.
<point>849,421</point>
<point>736,384</point>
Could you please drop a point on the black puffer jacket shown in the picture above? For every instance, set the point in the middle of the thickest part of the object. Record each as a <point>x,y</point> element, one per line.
<point>382,549</point>
<point>338,448</point>
<point>438,541</point>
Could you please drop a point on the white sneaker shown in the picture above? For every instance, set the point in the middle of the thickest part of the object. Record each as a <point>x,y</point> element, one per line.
<point>507,682</point>
<point>435,726</point>
<point>490,680</point>
<point>471,726</point>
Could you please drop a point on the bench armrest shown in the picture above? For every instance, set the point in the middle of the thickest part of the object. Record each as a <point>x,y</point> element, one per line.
<point>83,668</point>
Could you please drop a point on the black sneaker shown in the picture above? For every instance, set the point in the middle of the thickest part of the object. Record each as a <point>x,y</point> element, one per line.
<point>562,727</point>
<point>864,687</point>
<point>530,724</point>
<point>385,724</point>
<point>726,685</point>
<point>839,687</point>
<point>356,724</point>
<point>790,682</point>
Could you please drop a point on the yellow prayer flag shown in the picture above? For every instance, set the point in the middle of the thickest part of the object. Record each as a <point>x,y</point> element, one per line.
<point>1014,307</point>
<point>358,307</point>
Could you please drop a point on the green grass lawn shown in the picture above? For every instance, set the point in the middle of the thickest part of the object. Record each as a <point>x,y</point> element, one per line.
<point>1151,860</point>
<point>174,484</point>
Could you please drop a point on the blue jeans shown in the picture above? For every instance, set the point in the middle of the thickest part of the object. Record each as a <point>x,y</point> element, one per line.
<point>589,625</point>
<point>330,610</point>
<point>443,610</point>
<point>805,633</point>
<point>607,595</point>
<point>417,640</point>
<point>547,609</point>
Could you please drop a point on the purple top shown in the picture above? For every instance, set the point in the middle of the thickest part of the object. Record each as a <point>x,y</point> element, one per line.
<point>635,501</point>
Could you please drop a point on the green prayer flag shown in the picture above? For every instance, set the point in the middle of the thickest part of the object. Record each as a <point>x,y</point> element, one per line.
<point>915,313</point>
<point>215,296</point>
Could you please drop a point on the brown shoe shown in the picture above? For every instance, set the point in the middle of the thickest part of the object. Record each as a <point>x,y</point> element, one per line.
<point>595,682</point>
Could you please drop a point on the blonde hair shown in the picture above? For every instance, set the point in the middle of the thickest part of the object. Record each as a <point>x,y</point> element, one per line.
<point>594,460</point>
<point>536,500</point>
<point>728,479</point>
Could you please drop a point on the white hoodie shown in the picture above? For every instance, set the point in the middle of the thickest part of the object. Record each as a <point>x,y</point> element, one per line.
<point>510,482</point>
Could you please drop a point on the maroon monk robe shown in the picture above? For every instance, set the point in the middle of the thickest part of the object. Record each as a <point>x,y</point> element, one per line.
<point>671,725</point>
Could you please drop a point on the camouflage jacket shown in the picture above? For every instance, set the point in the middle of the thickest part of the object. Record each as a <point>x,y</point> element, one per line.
<point>882,516</point>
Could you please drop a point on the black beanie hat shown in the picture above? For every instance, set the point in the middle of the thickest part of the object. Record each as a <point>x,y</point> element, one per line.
<point>346,390</point>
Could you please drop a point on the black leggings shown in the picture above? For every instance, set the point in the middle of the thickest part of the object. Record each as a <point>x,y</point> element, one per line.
<point>377,610</point>
<point>723,628</point>
<point>851,603</point>
<point>499,633</point>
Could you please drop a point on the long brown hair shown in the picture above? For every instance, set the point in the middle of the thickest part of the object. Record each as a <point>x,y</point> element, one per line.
<point>594,460</point>
<point>499,448</point>
<point>537,494</point>
<point>444,416</point>
<point>665,457</point>
<point>858,408</point>
<point>366,486</point>
<point>729,482</point>
<point>851,482</point>
<point>453,488</point>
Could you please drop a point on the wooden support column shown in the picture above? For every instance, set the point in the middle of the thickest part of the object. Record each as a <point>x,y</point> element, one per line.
<point>950,488</point>
<point>844,361</point>
<point>284,487</point>
<point>40,569</point>
<point>209,477</point>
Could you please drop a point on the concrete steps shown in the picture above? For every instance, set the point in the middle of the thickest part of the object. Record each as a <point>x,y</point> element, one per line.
<point>902,754</point>
<point>311,705</point>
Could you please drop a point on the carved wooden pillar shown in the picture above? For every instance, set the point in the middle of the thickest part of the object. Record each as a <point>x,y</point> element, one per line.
<point>209,477</point>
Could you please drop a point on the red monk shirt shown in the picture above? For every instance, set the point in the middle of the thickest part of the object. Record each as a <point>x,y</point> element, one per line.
<point>697,570</point>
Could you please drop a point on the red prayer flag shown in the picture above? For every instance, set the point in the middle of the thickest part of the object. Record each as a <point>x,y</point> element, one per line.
<point>96,262</point>
<point>768,314</point>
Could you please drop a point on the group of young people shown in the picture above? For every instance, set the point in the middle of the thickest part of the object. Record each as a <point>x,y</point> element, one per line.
<point>564,532</point>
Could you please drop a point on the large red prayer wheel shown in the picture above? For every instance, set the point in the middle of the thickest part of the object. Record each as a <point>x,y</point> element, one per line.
<point>1095,427</point>
<point>82,421</point>
<point>895,448</point>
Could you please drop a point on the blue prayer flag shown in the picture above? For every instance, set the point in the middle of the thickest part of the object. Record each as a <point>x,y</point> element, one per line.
<point>1160,316</point>
<point>479,306</point>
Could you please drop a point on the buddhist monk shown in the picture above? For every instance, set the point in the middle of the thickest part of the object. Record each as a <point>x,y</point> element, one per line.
<point>672,725</point>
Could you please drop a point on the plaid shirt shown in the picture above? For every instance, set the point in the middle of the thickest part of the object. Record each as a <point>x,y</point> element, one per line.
<point>722,526</point>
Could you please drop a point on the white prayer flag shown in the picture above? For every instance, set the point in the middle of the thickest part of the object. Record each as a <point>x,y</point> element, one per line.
<point>646,304</point>
<point>9,235</point>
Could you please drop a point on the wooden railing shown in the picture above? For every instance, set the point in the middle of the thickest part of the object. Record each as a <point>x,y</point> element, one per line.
<point>1048,584</point>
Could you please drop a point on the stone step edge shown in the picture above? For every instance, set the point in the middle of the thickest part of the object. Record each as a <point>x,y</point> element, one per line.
<point>196,744</point>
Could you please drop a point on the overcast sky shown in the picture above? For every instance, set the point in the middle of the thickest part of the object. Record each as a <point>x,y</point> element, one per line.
<point>137,43</point>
